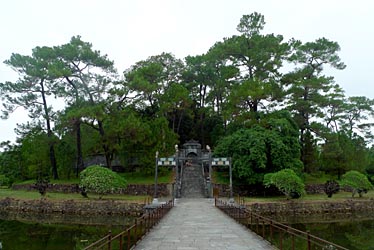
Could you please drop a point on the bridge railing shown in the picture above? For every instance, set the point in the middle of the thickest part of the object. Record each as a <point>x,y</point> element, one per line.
<point>278,234</point>
<point>129,237</point>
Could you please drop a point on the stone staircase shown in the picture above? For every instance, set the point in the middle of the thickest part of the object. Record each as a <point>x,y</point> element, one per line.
<point>193,182</point>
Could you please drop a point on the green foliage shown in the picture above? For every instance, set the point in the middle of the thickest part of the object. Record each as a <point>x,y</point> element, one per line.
<point>165,176</point>
<point>11,162</point>
<point>262,149</point>
<point>287,182</point>
<point>340,154</point>
<point>356,113</point>
<point>357,181</point>
<point>41,184</point>
<point>4,181</point>
<point>100,180</point>
<point>309,91</point>
<point>35,153</point>
<point>31,91</point>
<point>231,90</point>
<point>251,24</point>
<point>331,187</point>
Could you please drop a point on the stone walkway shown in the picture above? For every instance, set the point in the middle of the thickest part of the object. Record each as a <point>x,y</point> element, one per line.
<point>195,224</point>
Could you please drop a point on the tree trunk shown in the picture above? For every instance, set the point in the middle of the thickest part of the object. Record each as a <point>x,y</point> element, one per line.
<point>52,156</point>
<point>106,148</point>
<point>80,163</point>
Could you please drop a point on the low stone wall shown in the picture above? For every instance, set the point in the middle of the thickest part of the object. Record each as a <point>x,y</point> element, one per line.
<point>88,207</point>
<point>291,207</point>
<point>163,190</point>
<point>258,190</point>
<point>320,189</point>
<point>244,190</point>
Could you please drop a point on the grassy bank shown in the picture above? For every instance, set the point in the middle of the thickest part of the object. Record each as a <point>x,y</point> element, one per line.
<point>131,178</point>
<point>311,198</point>
<point>32,195</point>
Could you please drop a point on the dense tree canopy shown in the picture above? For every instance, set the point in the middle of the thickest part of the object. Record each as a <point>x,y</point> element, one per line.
<point>266,147</point>
<point>237,97</point>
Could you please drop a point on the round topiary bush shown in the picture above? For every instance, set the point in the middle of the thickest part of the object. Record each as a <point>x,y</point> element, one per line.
<point>357,181</point>
<point>287,182</point>
<point>100,180</point>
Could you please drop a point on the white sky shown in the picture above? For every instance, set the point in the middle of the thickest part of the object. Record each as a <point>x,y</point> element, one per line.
<point>129,31</point>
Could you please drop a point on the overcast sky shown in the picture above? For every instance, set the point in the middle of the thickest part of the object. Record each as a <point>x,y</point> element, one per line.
<point>130,31</point>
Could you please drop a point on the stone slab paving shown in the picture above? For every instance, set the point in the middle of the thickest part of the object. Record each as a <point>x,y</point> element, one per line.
<point>196,224</point>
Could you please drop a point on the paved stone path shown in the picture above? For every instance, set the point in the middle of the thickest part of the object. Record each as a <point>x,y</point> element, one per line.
<point>196,224</point>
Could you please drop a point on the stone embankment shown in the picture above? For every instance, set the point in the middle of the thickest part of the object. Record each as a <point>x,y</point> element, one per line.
<point>84,207</point>
<point>163,189</point>
<point>248,190</point>
<point>294,207</point>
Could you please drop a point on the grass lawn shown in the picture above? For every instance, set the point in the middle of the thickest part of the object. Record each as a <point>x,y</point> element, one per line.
<point>140,178</point>
<point>34,195</point>
<point>221,177</point>
<point>52,181</point>
<point>131,178</point>
<point>321,178</point>
<point>311,197</point>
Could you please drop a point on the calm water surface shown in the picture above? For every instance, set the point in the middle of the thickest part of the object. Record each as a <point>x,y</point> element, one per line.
<point>62,232</point>
<point>355,232</point>
<point>51,232</point>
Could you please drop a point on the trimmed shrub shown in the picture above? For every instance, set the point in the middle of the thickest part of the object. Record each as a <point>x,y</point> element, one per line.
<point>287,182</point>
<point>357,181</point>
<point>100,180</point>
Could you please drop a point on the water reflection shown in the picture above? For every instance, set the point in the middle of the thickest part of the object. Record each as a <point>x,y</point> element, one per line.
<point>55,231</point>
<point>353,231</point>
<point>67,232</point>
<point>111,220</point>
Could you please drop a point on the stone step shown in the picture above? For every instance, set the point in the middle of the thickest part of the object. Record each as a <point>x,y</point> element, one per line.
<point>193,182</point>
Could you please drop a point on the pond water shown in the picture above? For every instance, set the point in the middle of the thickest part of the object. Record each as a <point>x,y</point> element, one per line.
<point>56,232</point>
<point>66,232</point>
<point>352,231</point>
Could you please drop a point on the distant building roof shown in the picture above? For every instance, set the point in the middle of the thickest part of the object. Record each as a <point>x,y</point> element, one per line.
<point>192,144</point>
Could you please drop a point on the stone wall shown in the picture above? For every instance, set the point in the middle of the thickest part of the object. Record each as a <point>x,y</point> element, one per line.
<point>244,190</point>
<point>292,207</point>
<point>320,189</point>
<point>163,190</point>
<point>85,207</point>
<point>259,190</point>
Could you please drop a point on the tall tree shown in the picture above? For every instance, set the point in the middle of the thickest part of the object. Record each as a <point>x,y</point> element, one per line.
<point>174,104</point>
<point>341,153</point>
<point>356,113</point>
<point>151,82</point>
<point>149,79</point>
<point>308,89</point>
<point>87,76</point>
<point>37,81</point>
<point>198,77</point>
<point>258,58</point>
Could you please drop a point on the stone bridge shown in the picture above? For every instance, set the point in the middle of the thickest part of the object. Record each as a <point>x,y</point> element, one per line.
<point>196,224</point>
